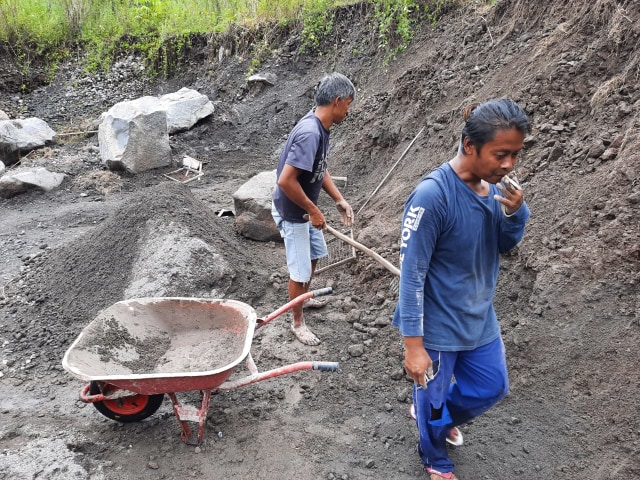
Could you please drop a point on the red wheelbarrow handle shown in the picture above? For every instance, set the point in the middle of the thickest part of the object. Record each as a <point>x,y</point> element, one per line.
<point>276,372</point>
<point>288,306</point>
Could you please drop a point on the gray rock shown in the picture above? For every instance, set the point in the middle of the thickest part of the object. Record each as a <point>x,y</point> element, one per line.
<point>134,141</point>
<point>555,154</point>
<point>353,316</point>
<point>184,109</point>
<point>22,180</point>
<point>252,202</point>
<point>403,394</point>
<point>596,150</point>
<point>134,135</point>
<point>18,136</point>
<point>609,154</point>
<point>264,78</point>
<point>356,350</point>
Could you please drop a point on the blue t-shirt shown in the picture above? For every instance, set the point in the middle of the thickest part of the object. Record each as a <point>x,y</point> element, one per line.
<point>306,149</point>
<point>451,243</point>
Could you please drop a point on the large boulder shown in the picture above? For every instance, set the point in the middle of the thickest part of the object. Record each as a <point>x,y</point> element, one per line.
<point>134,135</point>
<point>134,140</point>
<point>23,135</point>
<point>184,109</point>
<point>22,180</point>
<point>252,202</point>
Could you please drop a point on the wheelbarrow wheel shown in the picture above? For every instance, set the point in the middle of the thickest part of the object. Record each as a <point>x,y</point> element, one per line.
<point>129,409</point>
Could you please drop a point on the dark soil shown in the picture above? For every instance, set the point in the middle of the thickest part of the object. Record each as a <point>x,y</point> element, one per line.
<point>567,299</point>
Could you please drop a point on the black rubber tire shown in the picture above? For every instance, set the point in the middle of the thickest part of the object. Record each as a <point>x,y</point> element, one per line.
<point>128,409</point>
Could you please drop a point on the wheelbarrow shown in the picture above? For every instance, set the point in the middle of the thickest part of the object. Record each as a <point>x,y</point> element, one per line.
<point>136,351</point>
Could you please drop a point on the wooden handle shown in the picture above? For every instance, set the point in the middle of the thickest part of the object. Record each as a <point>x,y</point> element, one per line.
<point>367,251</point>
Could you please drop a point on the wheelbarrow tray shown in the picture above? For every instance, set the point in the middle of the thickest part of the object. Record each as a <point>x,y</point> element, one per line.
<point>163,344</point>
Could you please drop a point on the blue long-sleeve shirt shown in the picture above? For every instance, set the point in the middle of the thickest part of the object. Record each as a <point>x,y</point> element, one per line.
<point>450,250</point>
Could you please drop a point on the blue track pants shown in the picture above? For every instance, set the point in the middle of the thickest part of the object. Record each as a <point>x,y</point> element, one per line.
<point>480,382</point>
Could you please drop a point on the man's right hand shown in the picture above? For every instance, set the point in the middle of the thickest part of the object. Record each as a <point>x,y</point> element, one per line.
<point>317,219</point>
<point>417,361</point>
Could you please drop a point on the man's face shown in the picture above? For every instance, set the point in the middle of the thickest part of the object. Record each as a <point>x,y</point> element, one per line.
<point>341,109</point>
<point>498,156</point>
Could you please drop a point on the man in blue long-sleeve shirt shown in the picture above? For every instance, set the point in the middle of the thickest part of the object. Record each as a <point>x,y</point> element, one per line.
<point>456,223</point>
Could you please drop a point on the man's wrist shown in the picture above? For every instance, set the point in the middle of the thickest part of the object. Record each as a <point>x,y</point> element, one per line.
<point>506,214</point>
<point>412,343</point>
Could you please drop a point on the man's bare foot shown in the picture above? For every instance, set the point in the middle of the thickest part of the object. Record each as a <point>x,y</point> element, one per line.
<point>436,475</point>
<point>314,303</point>
<point>305,335</point>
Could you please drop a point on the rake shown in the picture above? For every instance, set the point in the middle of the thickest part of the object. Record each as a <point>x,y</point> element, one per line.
<point>395,283</point>
<point>367,251</point>
<point>339,253</point>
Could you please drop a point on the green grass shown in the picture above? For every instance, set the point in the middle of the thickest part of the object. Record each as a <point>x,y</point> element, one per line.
<point>160,30</point>
<point>54,22</point>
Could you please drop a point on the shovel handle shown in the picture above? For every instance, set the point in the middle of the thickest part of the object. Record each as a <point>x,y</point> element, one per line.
<point>288,306</point>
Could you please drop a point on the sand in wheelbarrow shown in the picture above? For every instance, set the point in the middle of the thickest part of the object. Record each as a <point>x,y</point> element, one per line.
<point>116,338</point>
<point>163,336</point>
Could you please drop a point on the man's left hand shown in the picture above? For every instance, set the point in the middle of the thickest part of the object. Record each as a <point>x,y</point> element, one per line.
<point>346,212</point>
<point>511,198</point>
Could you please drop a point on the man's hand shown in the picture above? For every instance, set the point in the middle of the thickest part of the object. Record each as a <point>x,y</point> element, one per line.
<point>346,212</point>
<point>317,219</point>
<point>511,198</point>
<point>417,361</point>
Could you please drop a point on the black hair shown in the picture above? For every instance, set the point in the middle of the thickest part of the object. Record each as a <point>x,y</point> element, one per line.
<point>483,120</point>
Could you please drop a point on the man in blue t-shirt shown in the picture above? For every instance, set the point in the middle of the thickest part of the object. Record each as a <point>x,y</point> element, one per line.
<point>456,223</point>
<point>301,174</point>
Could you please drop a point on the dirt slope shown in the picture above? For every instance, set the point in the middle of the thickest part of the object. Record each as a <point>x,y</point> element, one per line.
<point>567,297</point>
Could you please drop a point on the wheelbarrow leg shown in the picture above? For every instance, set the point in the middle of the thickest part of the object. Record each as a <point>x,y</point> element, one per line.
<point>189,413</point>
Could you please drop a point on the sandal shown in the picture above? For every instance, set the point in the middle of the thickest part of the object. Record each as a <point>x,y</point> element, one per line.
<point>454,437</point>
<point>436,475</point>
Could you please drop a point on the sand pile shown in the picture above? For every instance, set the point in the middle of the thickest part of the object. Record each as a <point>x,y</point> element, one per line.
<point>163,242</point>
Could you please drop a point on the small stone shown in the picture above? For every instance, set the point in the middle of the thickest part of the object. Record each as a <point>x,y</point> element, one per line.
<point>356,350</point>
<point>609,154</point>
<point>596,150</point>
